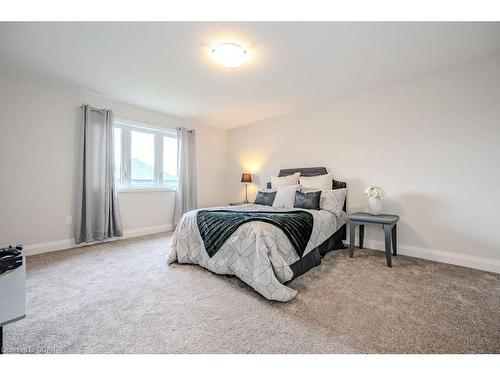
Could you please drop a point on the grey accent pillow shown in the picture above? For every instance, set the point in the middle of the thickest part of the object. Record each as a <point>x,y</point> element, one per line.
<point>308,201</point>
<point>265,198</point>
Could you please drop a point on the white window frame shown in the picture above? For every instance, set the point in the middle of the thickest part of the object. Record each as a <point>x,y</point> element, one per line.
<point>127,126</point>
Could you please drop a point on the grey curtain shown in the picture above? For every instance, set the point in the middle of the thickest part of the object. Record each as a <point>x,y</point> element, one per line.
<point>97,212</point>
<point>185,199</point>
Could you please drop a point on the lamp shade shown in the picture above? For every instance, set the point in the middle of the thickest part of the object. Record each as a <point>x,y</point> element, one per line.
<point>246,177</point>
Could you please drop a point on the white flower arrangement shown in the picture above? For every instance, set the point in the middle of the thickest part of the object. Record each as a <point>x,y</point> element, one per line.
<point>375,191</point>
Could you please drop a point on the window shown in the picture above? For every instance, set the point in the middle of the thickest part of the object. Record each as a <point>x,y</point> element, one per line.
<point>170,161</point>
<point>145,158</point>
<point>142,157</point>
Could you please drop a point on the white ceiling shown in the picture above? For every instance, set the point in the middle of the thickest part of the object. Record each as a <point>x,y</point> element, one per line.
<point>166,66</point>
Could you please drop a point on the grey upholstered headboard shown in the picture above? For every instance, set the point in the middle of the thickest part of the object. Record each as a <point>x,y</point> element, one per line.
<point>309,172</point>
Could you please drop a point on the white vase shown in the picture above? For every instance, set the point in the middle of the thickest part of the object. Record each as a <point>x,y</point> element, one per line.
<point>375,205</point>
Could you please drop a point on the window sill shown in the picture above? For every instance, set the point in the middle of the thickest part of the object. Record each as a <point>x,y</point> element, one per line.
<point>145,189</point>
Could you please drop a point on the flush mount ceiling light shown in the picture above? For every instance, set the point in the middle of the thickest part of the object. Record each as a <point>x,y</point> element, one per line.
<point>230,55</point>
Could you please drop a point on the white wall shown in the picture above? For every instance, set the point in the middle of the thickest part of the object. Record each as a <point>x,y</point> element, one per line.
<point>38,140</point>
<point>433,143</point>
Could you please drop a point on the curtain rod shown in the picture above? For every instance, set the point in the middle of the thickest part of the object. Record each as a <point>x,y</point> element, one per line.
<point>92,108</point>
<point>100,110</point>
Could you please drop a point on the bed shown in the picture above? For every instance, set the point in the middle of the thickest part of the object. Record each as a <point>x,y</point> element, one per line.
<point>262,254</point>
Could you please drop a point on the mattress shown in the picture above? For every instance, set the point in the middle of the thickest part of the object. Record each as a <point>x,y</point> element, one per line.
<point>258,253</point>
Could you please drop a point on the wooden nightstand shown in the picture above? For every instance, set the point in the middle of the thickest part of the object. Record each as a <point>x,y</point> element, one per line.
<point>388,222</point>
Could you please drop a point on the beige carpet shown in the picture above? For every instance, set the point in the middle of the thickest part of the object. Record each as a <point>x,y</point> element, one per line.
<point>122,297</point>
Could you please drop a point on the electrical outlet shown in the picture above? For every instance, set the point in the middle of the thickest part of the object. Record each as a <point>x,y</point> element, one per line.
<point>69,220</point>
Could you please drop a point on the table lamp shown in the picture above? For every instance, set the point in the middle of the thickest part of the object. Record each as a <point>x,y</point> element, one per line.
<point>246,178</point>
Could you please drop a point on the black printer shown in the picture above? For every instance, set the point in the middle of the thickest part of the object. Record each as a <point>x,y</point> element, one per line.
<point>11,257</point>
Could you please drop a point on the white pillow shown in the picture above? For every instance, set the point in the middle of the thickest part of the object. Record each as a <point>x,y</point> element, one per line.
<point>323,182</point>
<point>293,179</point>
<point>285,196</point>
<point>333,200</point>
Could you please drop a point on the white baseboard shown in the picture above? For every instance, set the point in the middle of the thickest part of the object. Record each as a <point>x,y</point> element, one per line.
<point>147,230</point>
<point>45,247</point>
<point>480,263</point>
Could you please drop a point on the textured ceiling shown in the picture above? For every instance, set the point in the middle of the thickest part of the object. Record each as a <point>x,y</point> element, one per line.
<point>166,66</point>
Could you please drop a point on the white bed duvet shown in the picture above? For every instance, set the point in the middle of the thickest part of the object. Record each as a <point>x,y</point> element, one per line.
<point>258,253</point>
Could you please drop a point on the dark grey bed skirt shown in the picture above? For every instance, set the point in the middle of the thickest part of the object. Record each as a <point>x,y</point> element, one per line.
<point>313,258</point>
